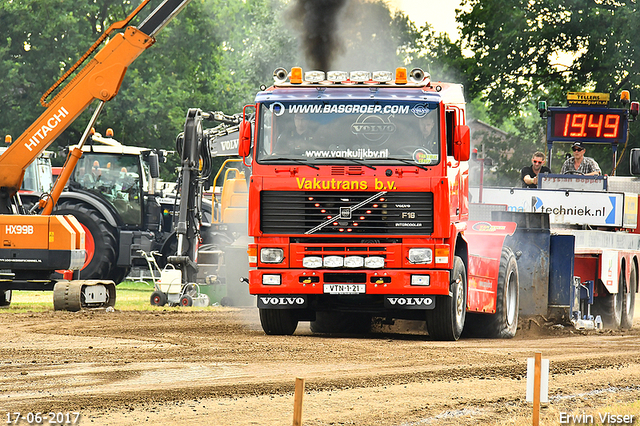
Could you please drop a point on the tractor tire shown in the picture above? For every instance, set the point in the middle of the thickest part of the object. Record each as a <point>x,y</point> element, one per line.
<point>341,322</point>
<point>446,320</point>
<point>5,298</point>
<point>628,307</point>
<point>100,241</point>
<point>610,307</point>
<point>278,322</point>
<point>504,322</point>
<point>158,298</point>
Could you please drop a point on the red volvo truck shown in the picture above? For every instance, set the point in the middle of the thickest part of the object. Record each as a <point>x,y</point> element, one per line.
<point>358,207</point>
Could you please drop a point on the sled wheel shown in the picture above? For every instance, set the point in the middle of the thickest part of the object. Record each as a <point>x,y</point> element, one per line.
<point>609,307</point>
<point>628,307</point>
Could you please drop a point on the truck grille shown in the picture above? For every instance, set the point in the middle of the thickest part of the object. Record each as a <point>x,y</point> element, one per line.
<point>300,212</point>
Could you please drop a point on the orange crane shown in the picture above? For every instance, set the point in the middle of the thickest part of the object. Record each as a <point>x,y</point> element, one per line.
<point>33,246</point>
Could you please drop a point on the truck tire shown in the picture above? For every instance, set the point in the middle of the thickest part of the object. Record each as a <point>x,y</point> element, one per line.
<point>610,307</point>
<point>504,323</point>
<point>281,322</point>
<point>100,241</point>
<point>5,298</point>
<point>628,307</point>
<point>446,320</point>
<point>341,322</point>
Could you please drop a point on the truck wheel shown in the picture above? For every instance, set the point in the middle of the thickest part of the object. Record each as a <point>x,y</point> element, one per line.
<point>280,322</point>
<point>504,323</point>
<point>158,298</point>
<point>5,298</point>
<point>628,307</point>
<point>100,240</point>
<point>341,322</point>
<point>609,307</point>
<point>446,320</point>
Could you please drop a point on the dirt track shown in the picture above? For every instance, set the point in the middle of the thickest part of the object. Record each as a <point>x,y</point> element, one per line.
<point>218,368</point>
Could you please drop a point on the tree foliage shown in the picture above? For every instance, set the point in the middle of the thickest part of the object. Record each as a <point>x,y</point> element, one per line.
<point>542,49</point>
<point>214,55</point>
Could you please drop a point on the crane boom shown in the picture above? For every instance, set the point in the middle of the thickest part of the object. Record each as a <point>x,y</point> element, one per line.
<point>35,246</point>
<point>100,79</point>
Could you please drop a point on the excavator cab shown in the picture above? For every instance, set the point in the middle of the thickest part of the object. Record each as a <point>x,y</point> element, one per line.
<point>230,207</point>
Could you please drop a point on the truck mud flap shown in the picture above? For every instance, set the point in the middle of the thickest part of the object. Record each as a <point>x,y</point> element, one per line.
<point>282,301</point>
<point>410,302</point>
<point>531,244</point>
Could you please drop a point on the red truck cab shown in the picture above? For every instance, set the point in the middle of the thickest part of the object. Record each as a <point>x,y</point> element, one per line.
<point>358,201</point>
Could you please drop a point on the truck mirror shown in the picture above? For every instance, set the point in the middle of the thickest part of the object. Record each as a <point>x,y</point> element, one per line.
<point>635,161</point>
<point>462,143</point>
<point>244,145</point>
<point>154,165</point>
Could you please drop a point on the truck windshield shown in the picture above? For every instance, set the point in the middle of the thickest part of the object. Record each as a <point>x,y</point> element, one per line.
<point>378,132</point>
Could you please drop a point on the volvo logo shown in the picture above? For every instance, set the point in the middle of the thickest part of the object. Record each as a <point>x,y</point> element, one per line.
<point>409,302</point>
<point>373,128</point>
<point>420,110</point>
<point>276,301</point>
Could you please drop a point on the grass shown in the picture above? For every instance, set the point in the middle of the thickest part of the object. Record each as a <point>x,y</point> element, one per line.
<point>130,296</point>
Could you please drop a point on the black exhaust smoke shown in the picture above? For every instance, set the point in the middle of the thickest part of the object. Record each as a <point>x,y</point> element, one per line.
<point>317,21</point>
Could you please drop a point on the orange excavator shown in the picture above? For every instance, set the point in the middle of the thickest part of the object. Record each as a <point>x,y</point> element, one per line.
<point>34,246</point>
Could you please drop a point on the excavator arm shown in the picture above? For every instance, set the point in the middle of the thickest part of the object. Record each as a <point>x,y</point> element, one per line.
<point>100,79</point>
<point>34,246</point>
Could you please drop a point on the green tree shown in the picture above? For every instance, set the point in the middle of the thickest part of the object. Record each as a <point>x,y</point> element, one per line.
<point>542,49</point>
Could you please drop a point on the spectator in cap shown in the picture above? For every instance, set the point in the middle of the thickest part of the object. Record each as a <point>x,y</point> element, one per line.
<point>579,164</point>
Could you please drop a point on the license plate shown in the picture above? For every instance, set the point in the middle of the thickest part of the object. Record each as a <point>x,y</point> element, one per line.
<point>344,288</point>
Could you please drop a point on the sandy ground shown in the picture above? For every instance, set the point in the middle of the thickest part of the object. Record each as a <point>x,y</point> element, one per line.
<point>218,368</point>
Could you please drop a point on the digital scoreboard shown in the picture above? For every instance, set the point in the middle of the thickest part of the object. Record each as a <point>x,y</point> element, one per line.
<point>587,124</point>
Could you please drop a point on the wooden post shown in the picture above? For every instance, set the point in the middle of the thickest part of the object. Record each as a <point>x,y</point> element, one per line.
<point>536,388</point>
<point>297,402</point>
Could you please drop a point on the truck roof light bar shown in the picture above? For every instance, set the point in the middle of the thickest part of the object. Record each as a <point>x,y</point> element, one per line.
<point>418,76</point>
<point>360,76</point>
<point>382,76</point>
<point>280,75</point>
<point>401,75</point>
<point>314,76</point>
<point>296,75</point>
<point>337,76</point>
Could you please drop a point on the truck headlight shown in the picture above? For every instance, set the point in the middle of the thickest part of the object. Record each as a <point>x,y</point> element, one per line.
<point>354,261</point>
<point>333,261</point>
<point>374,262</point>
<point>271,255</point>
<point>312,262</point>
<point>420,255</point>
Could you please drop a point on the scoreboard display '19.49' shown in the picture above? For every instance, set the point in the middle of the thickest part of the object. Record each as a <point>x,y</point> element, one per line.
<point>599,125</point>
